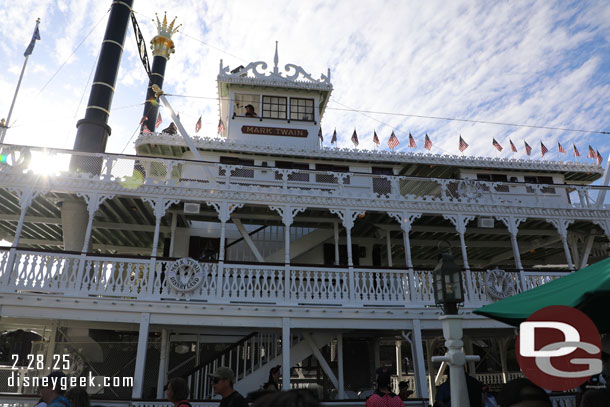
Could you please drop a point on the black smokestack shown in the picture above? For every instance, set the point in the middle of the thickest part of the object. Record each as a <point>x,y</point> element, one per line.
<point>162,48</point>
<point>93,130</point>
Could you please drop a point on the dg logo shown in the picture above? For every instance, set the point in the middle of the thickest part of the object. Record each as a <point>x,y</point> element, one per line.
<point>559,348</point>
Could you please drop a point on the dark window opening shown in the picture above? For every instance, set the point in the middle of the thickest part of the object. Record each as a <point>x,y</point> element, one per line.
<point>382,185</point>
<point>494,178</point>
<point>274,107</point>
<point>301,109</point>
<point>204,248</point>
<point>329,254</point>
<point>295,176</point>
<point>539,180</point>
<point>243,172</point>
<point>328,178</point>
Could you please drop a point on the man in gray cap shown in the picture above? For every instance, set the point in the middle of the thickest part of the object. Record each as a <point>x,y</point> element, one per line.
<point>222,381</point>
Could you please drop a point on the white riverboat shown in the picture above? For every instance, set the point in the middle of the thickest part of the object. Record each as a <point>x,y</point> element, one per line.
<point>257,247</point>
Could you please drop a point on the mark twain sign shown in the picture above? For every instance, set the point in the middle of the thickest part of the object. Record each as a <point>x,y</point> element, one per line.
<point>274,131</point>
<point>185,274</point>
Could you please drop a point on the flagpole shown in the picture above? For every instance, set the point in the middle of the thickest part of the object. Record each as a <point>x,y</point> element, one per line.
<point>10,112</point>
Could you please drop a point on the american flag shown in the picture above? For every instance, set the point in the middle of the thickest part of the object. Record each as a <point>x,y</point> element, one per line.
<point>512,146</point>
<point>355,138</point>
<point>320,136</point>
<point>375,138</point>
<point>145,130</point>
<point>198,125</point>
<point>144,118</point>
<point>528,149</point>
<point>427,143</point>
<point>591,152</point>
<point>462,144</point>
<point>496,145</point>
<point>560,147</point>
<point>393,141</point>
<point>159,121</point>
<point>600,159</point>
<point>412,141</point>
<point>221,126</point>
<point>543,149</point>
<point>334,139</point>
<point>576,153</point>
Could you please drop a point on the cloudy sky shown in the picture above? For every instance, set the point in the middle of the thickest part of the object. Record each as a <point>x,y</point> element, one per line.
<point>540,62</point>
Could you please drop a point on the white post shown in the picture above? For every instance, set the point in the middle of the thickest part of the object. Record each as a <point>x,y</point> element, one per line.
<point>341,389</point>
<point>398,345</point>
<point>350,263</point>
<point>51,348</point>
<point>221,257</point>
<point>287,222</point>
<point>172,240</point>
<point>587,250</point>
<point>512,224</point>
<point>25,200</point>
<point>285,354</point>
<point>452,331</point>
<point>138,377</point>
<point>460,221</point>
<point>336,230</point>
<point>562,228</point>
<point>502,346</point>
<point>601,197</point>
<point>161,379</point>
<point>388,240</point>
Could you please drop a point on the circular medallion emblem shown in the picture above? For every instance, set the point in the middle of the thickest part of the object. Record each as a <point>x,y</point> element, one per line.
<point>185,274</point>
<point>499,284</point>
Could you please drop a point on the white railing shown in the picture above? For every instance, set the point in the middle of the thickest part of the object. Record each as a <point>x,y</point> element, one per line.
<point>146,279</point>
<point>135,171</point>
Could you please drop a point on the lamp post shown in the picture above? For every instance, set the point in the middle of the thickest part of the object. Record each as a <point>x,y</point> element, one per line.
<point>448,294</point>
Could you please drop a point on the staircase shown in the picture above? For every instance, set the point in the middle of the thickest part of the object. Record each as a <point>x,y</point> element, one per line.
<point>251,358</point>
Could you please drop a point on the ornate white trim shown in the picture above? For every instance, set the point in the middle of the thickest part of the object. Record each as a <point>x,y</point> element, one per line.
<point>512,223</point>
<point>294,77</point>
<point>287,213</point>
<point>405,219</point>
<point>459,221</point>
<point>347,216</point>
<point>93,200</point>
<point>354,154</point>
<point>561,224</point>
<point>160,205</point>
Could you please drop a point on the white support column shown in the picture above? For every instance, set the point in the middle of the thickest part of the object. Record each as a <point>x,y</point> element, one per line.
<point>162,377</point>
<point>573,243</point>
<point>336,230</point>
<point>341,389</point>
<point>431,387</point>
<point>587,250</point>
<point>460,221</point>
<point>512,224</point>
<point>348,217</point>
<point>138,376</point>
<point>172,241</point>
<point>561,225</point>
<point>287,213</point>
<point>417,355</point>
<point>224,210</point>
<point>405,220</point>
<point>398,347</point>
<point>159,206</point>
<point>388,239</point>
<point>502,347</point>
<point>285,354</point>
<point>51,348</point>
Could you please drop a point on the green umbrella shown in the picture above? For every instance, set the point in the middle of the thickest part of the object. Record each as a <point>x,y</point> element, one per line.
<point>587,289</point>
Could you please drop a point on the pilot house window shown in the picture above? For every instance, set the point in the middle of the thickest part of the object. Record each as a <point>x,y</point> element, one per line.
<point>274,107</point>
<point>301,109</point>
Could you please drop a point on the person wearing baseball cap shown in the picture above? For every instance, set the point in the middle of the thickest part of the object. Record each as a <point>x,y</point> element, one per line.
<point>53,393</point>
<point>222,381</point>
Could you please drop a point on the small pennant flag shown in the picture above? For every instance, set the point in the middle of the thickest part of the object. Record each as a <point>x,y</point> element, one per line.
<point>375,138</point>
<point>159,121</point>
<point>599,158</point>
<point>427,143</point>
<point>528,149</point>
<point>496,145</point>
<point>560,147</point>
<point>412,141</point>
<point>355,138</point>
<point>35,36</point>
<point>221,126</point>
<point>145,130</point>
<point>334,139</point>
<point>198,125</point>
<point>512,146</point>
<point>143,120</point>
<point>462,144</point>
<point>591,153</point>
<point>576,153</point>
<point>393,141</point>
<point>543,149</point>
<point>320,136</point>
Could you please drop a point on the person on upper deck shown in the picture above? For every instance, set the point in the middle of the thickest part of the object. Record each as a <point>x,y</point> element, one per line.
<point>250,111</point>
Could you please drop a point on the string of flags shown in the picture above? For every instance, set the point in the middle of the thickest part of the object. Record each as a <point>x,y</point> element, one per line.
<point>463,145</point>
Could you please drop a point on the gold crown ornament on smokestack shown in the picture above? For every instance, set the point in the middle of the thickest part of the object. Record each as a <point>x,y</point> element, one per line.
<point>162,45</point>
